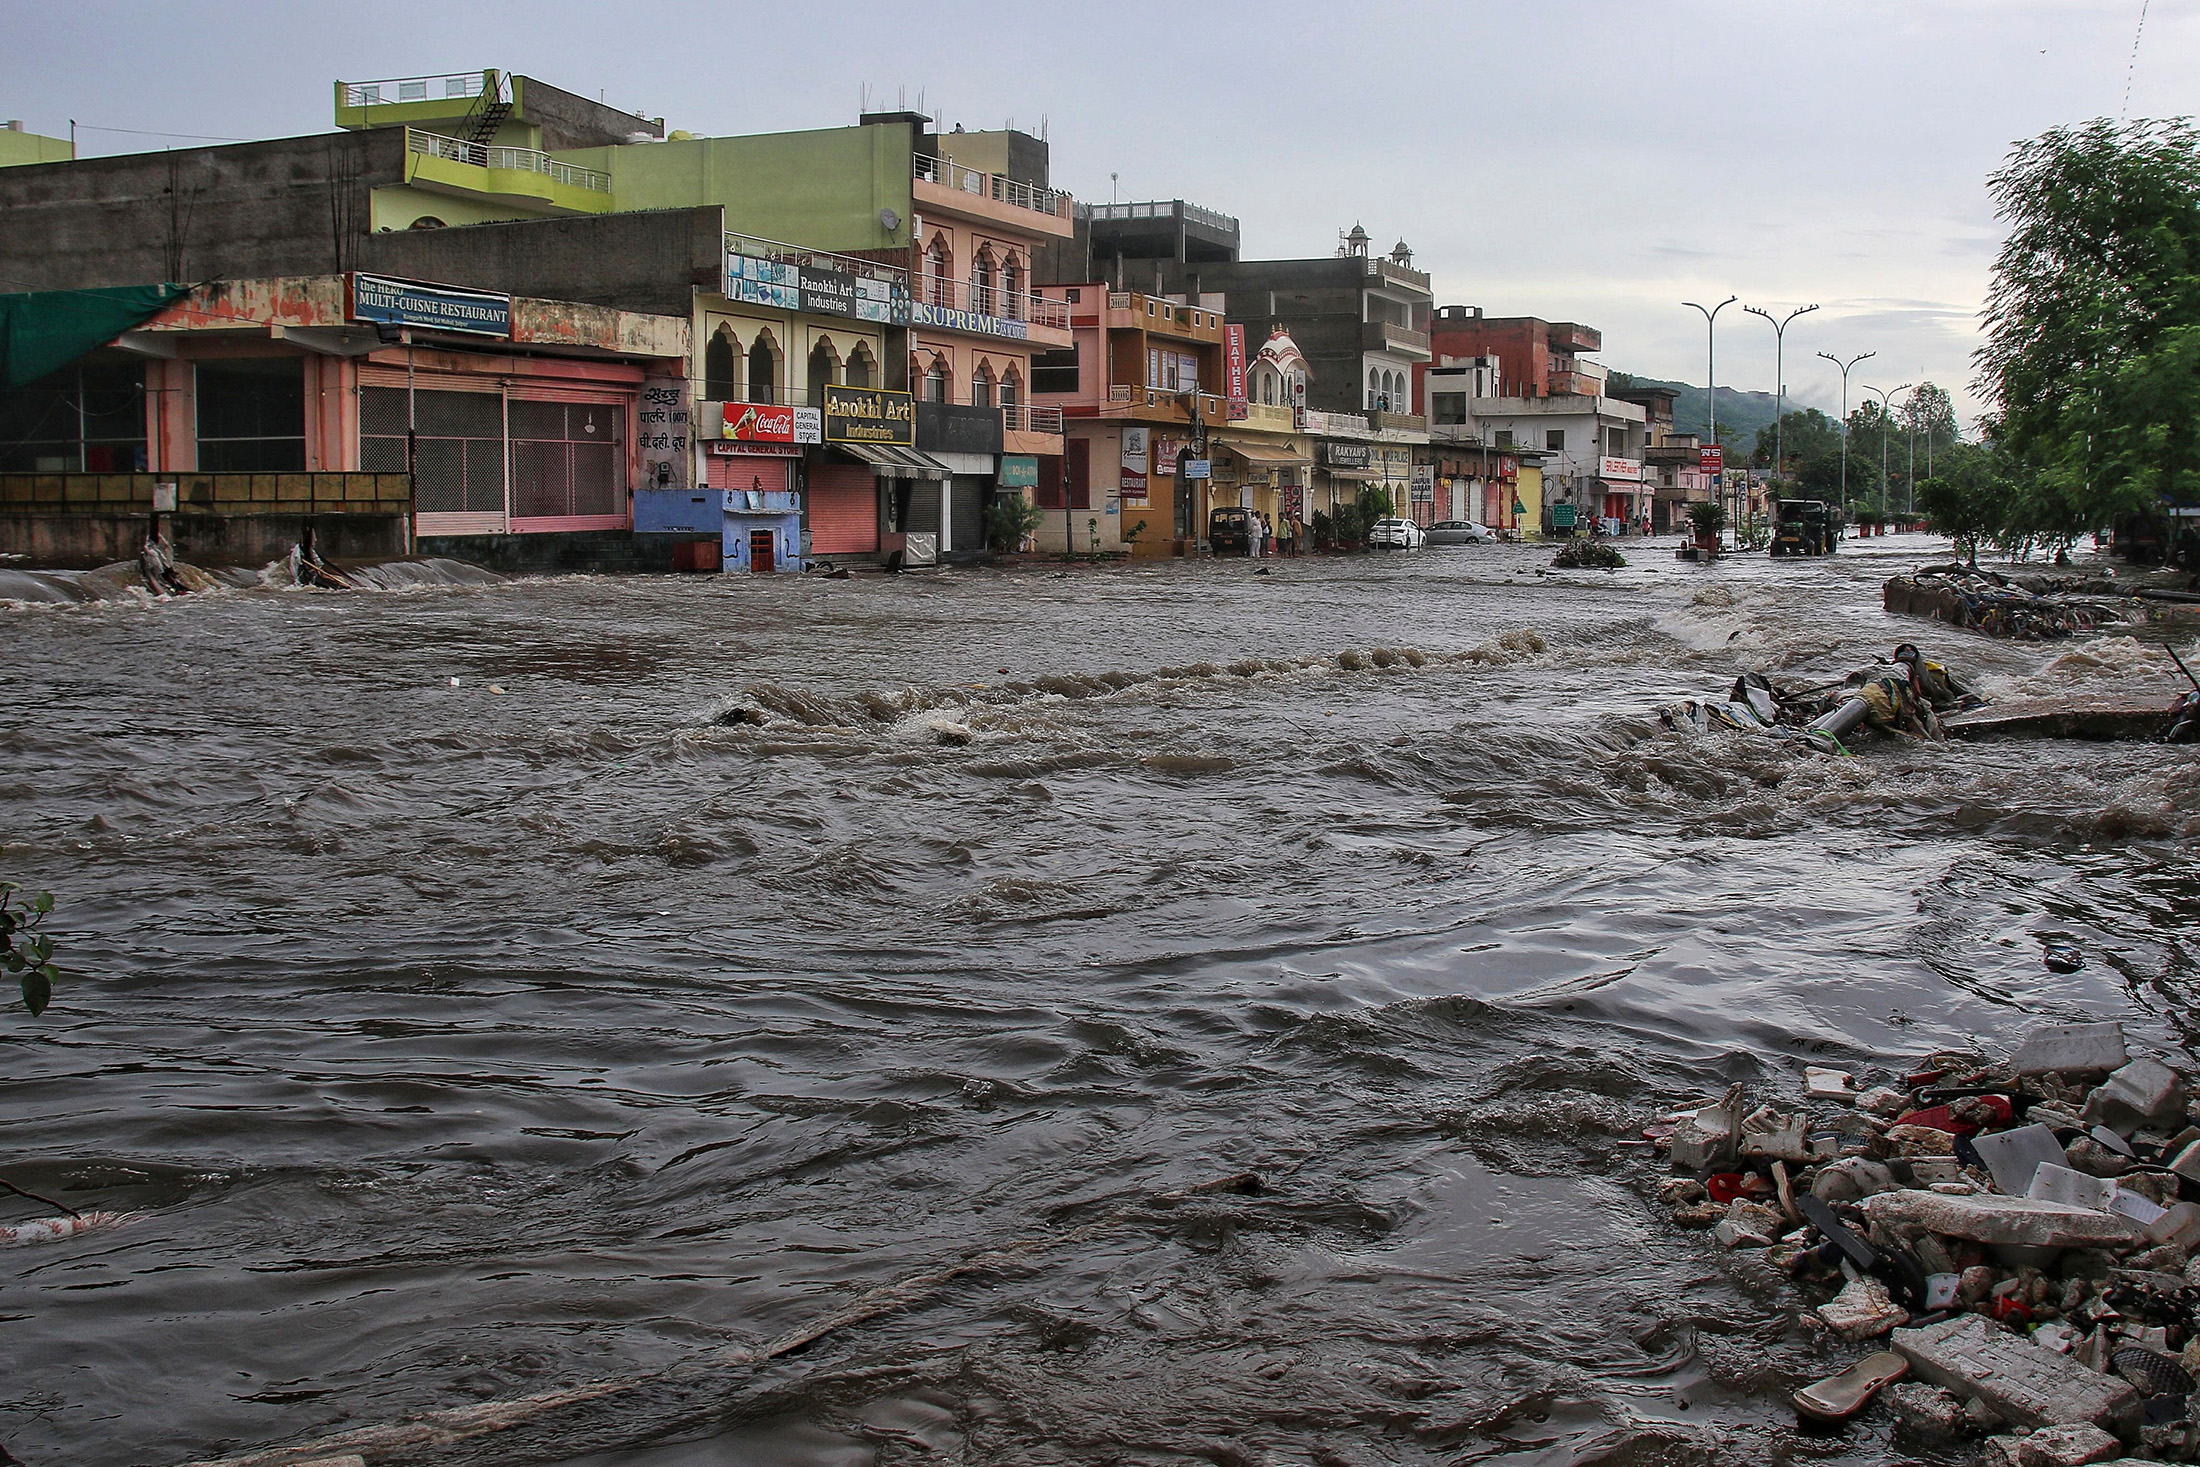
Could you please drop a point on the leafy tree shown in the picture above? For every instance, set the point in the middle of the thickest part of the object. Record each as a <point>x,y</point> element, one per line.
<point>1929,418</point>
<point>1801,433</point>
<point>1968,497</point>
<point>1011,519</point>
<point>2093,324</point>
<point>24,950</point>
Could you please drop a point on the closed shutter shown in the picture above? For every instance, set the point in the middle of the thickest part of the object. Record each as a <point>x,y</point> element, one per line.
<point>843,510</point>
<point>458,453</point>
<point>568,460</point>
<point>969,512</point>
<point>742,471</point>
<point>924,507</point>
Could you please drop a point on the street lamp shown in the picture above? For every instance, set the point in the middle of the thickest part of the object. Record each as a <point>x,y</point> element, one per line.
<point>1779,381</point>
<point>1886,416</point>
<point>1711,367</point>
<point>1909,481</point>
<point>1844,366</point>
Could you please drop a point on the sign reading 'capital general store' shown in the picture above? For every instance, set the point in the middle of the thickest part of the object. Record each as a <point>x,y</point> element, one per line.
<point>870,415</point>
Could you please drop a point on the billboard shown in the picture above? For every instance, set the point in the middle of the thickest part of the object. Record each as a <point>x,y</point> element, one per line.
<point>766,422</point>
<point>1233,370</point>
<point>387,301</point>
<point>1711,460</point>
<point>869,415</point>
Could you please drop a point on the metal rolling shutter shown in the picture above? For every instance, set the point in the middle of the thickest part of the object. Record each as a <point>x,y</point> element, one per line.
<point>843,506</point>
<point>969,512</point>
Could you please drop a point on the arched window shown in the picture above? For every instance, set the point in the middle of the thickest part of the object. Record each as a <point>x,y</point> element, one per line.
<point>981,386</point>
<point>1012,394</point>
<point>721,374</point>
<point>1374,387</point>
<point>981,283</point>
<point>859,366</point>
<point>1012,289</point>
<point>823,370</point>
<point>937,384</point>
<point>939,268</point>
<point>763,368</point>
<point>1267,387</point>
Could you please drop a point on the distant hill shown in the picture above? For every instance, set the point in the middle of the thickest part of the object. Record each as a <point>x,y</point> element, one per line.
<point>1741,414</point>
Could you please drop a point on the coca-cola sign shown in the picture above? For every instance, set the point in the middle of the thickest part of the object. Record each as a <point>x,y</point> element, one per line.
<point>767,422</point>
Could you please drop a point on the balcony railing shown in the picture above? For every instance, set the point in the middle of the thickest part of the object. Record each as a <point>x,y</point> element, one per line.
<point>459,86</point>
<point>1165,209</point>
<point>1160,314</point>
<point>786,254</point>
<point>991,300</point>
<point>1269,417</point>
<point>1026,417</point>
<point>947,173</point>
<point>496,155</point>
<point>1212,408</point>
<point>1389,336</point>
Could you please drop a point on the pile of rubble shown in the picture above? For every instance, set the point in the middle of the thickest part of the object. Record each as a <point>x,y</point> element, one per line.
<point>2016,1230</point>
<point>2028,608</point>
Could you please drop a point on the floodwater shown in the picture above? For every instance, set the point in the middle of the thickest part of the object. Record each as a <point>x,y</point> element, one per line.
<point>479,990</point>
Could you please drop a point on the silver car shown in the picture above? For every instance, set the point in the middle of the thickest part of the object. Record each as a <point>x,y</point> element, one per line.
<point>1460,532</point>
<point>1396,535</point>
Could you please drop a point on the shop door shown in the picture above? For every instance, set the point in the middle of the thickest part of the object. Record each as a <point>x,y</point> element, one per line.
<point>968,511</point>
<point>1077,462</point>
<point>760,552</point>
<point>568,462</point>
<point>458,451</point>
<point>924,507</point>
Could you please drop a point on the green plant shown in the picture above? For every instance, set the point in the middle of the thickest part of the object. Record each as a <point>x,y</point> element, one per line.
<point>1325,531</point>
<point>1011,521</point>
<point>1130,536</point>
<point>1583,553</point>
<point>24,950</point>
<point>1709,518</point>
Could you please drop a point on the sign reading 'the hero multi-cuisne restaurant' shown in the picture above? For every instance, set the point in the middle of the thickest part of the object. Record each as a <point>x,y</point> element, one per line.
<point>431,307</point>
<point>870,415</point>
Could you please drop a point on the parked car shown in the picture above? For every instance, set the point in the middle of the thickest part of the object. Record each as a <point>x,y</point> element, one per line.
<point>1459,532</point>
<point>1230,531</point>
<point>1396,535</point>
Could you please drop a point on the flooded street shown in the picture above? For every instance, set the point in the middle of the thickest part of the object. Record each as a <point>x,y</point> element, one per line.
<point>479,990</point>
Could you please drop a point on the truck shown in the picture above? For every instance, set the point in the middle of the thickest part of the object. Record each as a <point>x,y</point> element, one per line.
<point>1805,527</point>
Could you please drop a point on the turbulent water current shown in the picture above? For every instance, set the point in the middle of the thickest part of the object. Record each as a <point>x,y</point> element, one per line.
<point>478,990</point>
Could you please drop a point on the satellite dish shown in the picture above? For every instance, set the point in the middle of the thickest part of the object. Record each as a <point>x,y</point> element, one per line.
<point>889,220</point>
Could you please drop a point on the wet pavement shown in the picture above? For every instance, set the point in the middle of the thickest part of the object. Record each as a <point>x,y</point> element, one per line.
<point>714,950</point>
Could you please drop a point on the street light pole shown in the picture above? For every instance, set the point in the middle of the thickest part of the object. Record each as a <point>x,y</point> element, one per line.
<point>1909,475</point>
<point>1886,416</point>
<point>1844,366</point>
<point>1711,369</point>
<point>1779,381</point>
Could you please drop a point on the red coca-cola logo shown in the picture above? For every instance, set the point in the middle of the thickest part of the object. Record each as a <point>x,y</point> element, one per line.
<point>759,422</point>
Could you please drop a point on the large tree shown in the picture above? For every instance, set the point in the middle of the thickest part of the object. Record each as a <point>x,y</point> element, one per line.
<point>2093,323</point>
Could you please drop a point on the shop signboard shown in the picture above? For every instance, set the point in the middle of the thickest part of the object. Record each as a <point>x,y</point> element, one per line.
<point>1711,460</point>
<point>1165,450</point>
<point>1423,483</point>
<point>1019,471</point>
<point>1620,468</point>
<point>869,415</point>
<point>820,290</point>
<point>392,302</point>
<point>1134,449</point>
<point>828,292</point>
<point>1233,371</point>
<point>1198,468</point>
<point>767,422</point>
<point>662,431</point>
<point>950,318</point>
<point>1347,455</point>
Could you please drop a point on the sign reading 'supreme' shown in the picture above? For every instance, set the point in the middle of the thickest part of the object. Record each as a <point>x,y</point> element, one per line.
<point>870,415</point>
<point>392,302</point>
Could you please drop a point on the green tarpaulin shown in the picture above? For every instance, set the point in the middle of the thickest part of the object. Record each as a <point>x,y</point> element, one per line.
<point>42,331</point>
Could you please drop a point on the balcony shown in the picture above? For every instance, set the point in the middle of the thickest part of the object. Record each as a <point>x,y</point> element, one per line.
<point>1391,272</point>
<point>1026,417</point>
<point>1382,422</point>
<point>968,184</point>
<point>1397,340</point>
<point>1268,417</point>
<point>517,175</point>
<point>1129,310</point>
<point>1570,337</point>
<point>1161,405</point>
<point>987,310</point>
<point>1336,425</point>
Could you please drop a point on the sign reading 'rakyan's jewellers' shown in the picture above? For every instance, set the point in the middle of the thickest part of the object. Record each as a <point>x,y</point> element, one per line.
<point>392,302</point>
<point>870,415</point>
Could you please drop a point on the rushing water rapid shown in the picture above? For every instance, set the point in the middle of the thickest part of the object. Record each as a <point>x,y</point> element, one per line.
<point>477,990</point>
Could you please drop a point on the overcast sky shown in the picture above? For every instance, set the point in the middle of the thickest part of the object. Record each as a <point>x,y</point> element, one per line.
<point>1589,160</point>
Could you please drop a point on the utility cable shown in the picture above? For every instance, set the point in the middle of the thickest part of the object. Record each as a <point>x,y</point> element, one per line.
<point>2132,69</point>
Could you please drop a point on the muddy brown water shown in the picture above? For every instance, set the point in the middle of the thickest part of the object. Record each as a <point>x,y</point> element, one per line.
<point>453,1044</point>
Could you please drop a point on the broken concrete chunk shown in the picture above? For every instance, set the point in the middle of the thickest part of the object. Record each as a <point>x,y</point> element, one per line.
<point>1863,1310</point>
<point>2095,1160</point>
<point>2014,1221</point>
<point>2090,1048</point>
<point>2012,1156</point>
<point>1926,1412</point>
<point>2187,1164</point>
<point>2018,1380</point>
<point>2143,1092</point>
<point>1881,1101</point>
<point>1920,1141</point>
<point>1775,1135</point>
<point>2054,1183</point>
<point>2137,1206</point>
<point>1820,1083</point>
<point>2178,1226</point>
<point>1705,1140</point>
<point>2077,1444</point>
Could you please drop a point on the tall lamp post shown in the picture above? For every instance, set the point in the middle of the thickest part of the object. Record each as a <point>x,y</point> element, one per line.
<point>1886,416</point>
<point>1711,368</point>
<point>1844,366</point>
<point>1779,382</point>
<point>1909,474</point>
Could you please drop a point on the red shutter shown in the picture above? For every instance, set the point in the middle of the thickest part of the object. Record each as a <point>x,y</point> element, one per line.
<point>843,509</point>
<point>1077,457</point>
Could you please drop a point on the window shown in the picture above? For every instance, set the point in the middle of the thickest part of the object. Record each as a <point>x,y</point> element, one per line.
<point>1054,371</point>
<point>252,415</point>
<point>981,387</point>
<point>1012,288</point>
<point>89,418</point>
<point>566,460</point>
<point>1011,394</point>
<point>458,446</point>
<point>1555,440</point>
<point>936,385</point>
<point>937,266</point>
<point>859,367</point>
<point>1449,408</point>
<point>821,371</point>
<point>981,283</point>
<point>762,369</point>
<point>1374,387</point>
<point>719,371</point>
<point>1503,438</point>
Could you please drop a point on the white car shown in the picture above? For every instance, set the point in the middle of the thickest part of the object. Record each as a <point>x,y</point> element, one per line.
<point>1396,535</point>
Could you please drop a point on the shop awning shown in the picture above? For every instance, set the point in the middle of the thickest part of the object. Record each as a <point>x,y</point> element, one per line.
<point>1355,476</point>
<point>1261,453</point>
<point>44,330</point>
<point>895,462</point>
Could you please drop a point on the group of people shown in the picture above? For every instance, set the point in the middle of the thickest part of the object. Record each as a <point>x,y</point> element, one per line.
<point>1269,537</point>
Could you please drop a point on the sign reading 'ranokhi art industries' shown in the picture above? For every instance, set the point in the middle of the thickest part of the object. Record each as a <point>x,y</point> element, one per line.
<point>816,289</point>
<point>870,415</point>
<point>392,302</point>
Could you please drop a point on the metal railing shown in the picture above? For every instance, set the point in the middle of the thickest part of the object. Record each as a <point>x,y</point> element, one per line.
<point>1165,209</point>
<point>463,85</point>
<point>496,155</point>
<point>1003,190</point>
<point>781,253</point>
<point>1272,417</point>
<point>991,300</point>
<point>1212,407</point>
<point>1027,417</point>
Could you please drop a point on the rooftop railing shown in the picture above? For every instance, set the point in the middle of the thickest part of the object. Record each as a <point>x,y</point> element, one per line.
<point>496,155</point>
<point>1001,189</point>
<point>1165,209</point>
<point>1026,417</point>
<point>458,86</point>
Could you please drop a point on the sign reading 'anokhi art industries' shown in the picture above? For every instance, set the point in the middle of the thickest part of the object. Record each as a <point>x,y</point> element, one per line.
<point>870,415</point>
<point>392,302</point>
